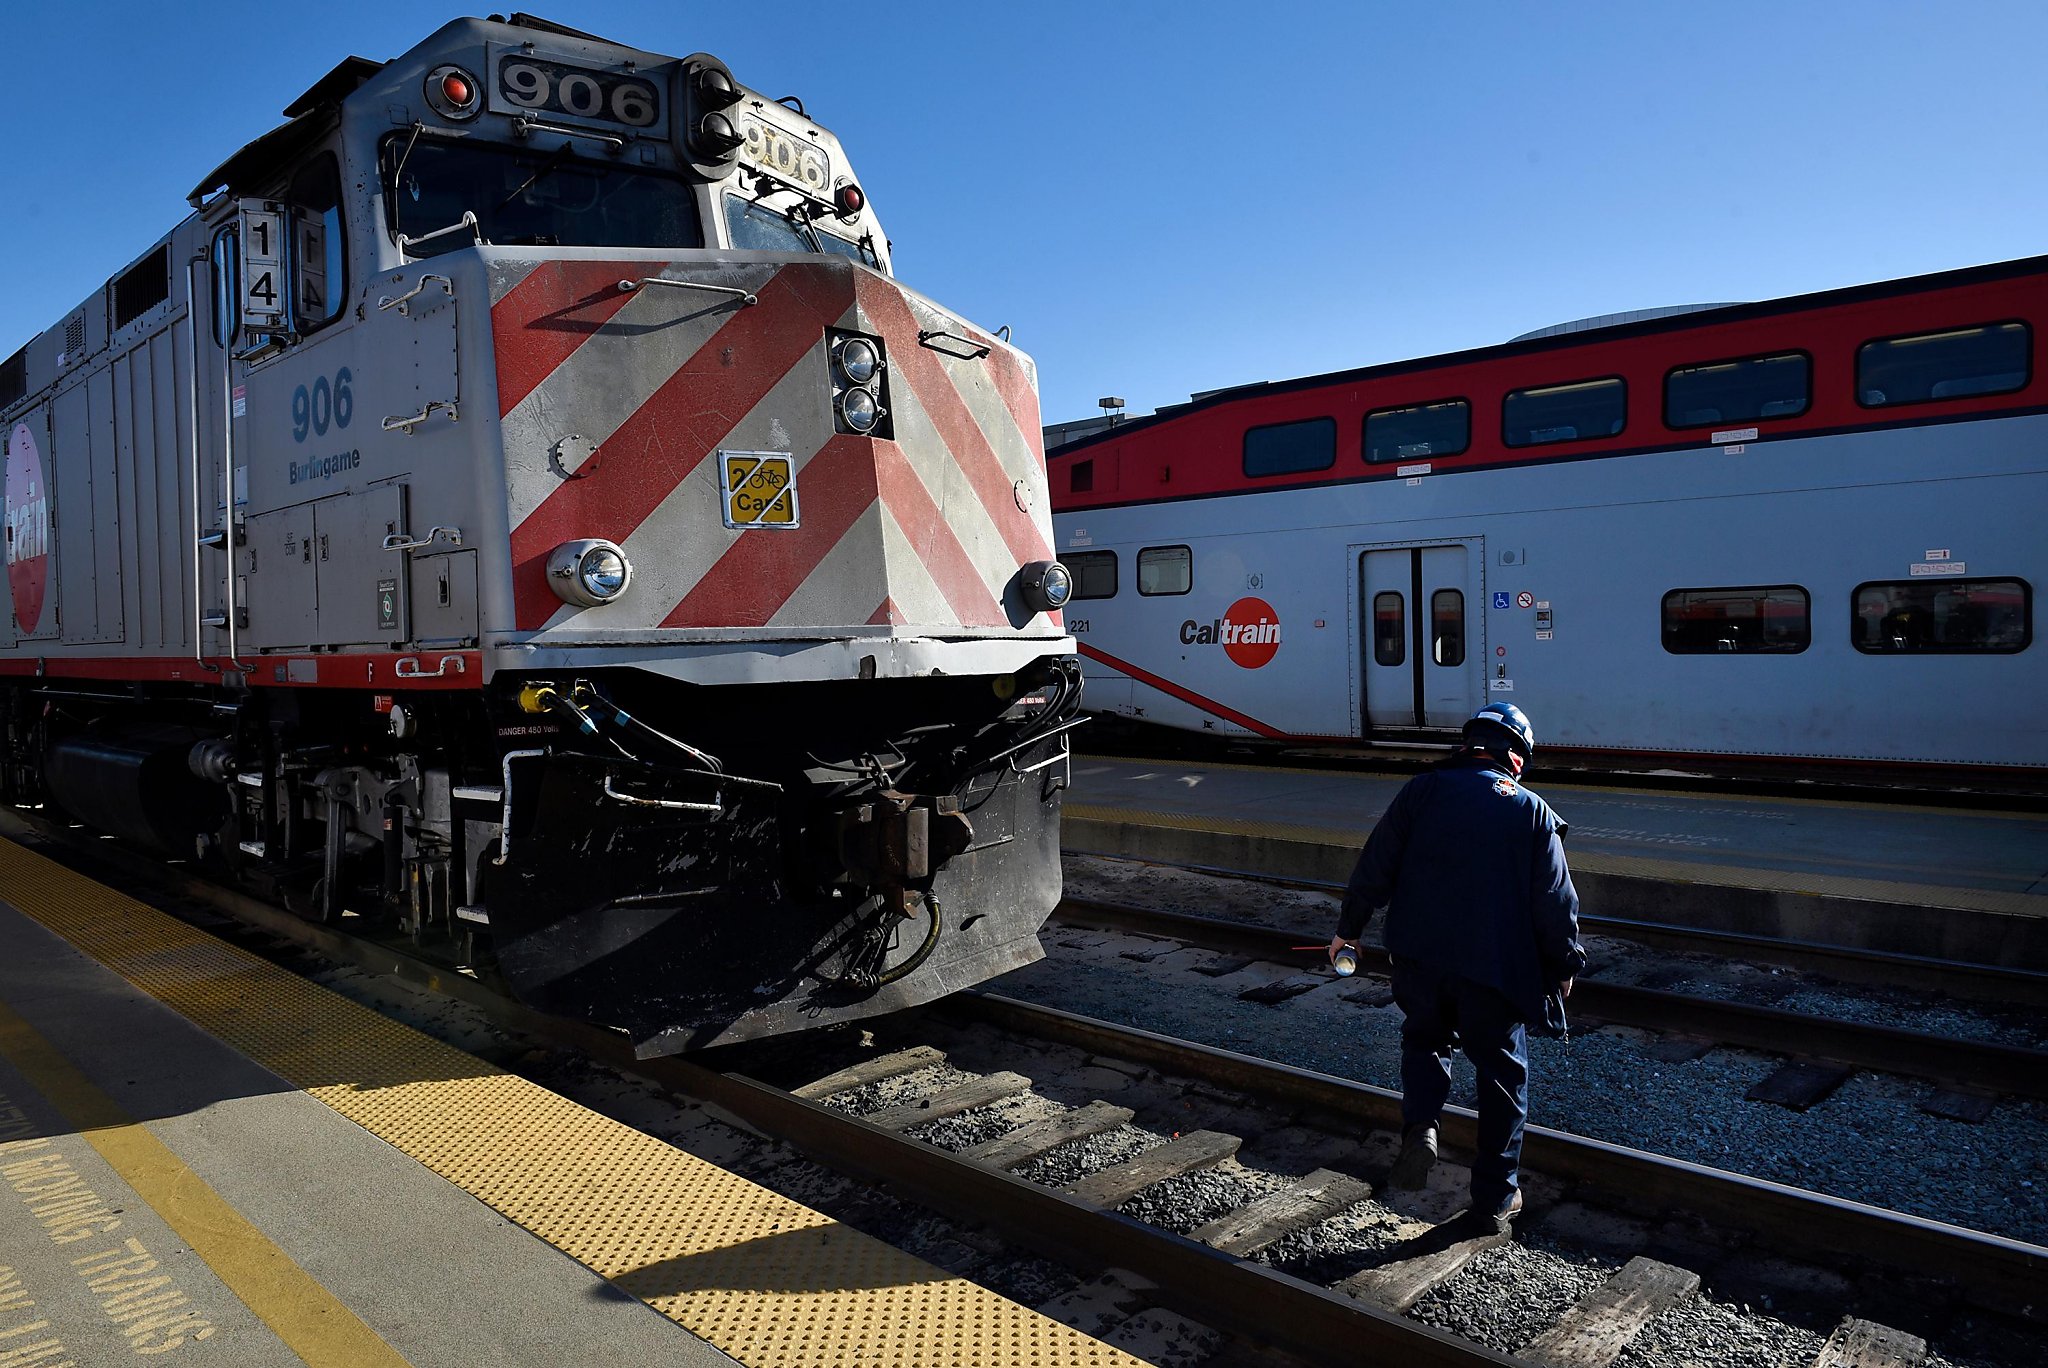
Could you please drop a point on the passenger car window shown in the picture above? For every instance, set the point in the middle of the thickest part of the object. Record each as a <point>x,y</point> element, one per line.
<point>1742,391</point>
<point>1166,570</point>
<point>1094,573</point>
<point>1447,627</point>
<point>1992,359</point>
<point>1564,413</point>
<point>1943,616</point>
<point>1409,434</point>
<point>1290,448</point>
<point>1389,629</point>
<point>1774,619</point>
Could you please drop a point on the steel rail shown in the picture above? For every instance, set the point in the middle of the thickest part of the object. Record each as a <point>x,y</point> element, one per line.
<point>2008,1069</point>
<point>1996,1272</point>
<point>1227,1293</point>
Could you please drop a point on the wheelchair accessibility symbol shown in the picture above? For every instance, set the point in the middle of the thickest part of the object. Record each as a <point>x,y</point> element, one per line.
<point>1501,599</point>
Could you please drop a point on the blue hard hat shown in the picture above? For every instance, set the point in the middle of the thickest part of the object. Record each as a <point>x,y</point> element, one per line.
<point>1498,722</point>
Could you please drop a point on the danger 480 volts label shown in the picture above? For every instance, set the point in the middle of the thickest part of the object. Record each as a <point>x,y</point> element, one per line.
<point>759,488</point>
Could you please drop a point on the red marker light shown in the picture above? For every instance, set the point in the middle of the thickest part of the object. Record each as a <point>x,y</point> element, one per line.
<point>850,201</point>
<point>456,89</point>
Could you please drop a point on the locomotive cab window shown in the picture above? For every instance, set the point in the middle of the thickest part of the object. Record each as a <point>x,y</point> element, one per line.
<point>530,198</point>
<point>1772,619</point>
<point>1943,617</point>
<point>1738,391</point>
<point>756,228</point>
<point>1094,573</point>
<point>227,285</point>
<point>1166,570</point>
<point>1410,434</point>
<point>1291,448</point>
<point>1564,413</point>
<point>1992,359</point>
<point>319,265</point>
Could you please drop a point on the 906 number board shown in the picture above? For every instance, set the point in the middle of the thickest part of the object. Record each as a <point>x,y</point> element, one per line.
<point>525,84</point>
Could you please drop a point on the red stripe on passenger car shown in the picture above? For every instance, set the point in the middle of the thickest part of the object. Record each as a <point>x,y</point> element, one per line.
<point>681,423</point>
<point>924,525</point>
<point>764,567</point>
<point>543,319</point>
<point>919,368</point>
<point>1167,686</point>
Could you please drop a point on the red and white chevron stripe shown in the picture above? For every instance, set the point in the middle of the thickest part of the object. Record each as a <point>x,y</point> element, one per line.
<point>923,533</point>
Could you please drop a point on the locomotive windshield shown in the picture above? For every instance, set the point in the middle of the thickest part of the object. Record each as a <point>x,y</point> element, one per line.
<point>755,227</point>
<point>535,198</point>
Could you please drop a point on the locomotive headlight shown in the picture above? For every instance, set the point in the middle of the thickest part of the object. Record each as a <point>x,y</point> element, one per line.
<point>589,573</point>
<point>858,360</point>
<point>1047,585</point>
<point>860,409</point>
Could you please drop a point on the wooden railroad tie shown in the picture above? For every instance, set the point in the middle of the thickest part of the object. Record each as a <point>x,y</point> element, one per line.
<point>1593,1333</point>
<point>1034,1138</point>
<point>1407,1271</point>
<point>1304,1202</point>
<point>975,1092</point>
<point>1117,1184</point>
<point>1866,1344</point>
<point>872,1071</point>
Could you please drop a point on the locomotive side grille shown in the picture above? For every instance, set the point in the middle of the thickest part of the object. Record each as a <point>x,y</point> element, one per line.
<point>74,337</point>
<point>13,377</point>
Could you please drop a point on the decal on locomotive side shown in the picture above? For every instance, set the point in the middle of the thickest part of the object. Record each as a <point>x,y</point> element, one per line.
<point>28,528</point>
<point>1248,632</point>
<point>760,488</point>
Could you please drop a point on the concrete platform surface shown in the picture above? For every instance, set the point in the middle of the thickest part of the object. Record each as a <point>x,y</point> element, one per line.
<point>208,1158</point>
<point>1802,868</point>
<point>161,1194</point>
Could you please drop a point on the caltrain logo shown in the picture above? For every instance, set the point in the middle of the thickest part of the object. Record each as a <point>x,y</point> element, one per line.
<point>1248,632</point>
<point>28,527</point>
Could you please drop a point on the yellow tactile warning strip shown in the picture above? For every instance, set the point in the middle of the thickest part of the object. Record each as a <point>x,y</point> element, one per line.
<point>1850,804</point>
<point>766,1279</point>
<point>1630,866</point>
<point>311,1321</point>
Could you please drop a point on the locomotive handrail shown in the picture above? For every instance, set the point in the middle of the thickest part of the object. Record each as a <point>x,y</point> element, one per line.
<point>505,820</point>
<point>447,286</point>
<point>440,668</point>
<point>192,407</point>
<point>405,541</point>
<point>671,803</point>
<point>468,220</point>
<point>745,296</point>
<point>406,425</point>
<point>526,128</point>
<point>975,351</point>
<point>227,448</point>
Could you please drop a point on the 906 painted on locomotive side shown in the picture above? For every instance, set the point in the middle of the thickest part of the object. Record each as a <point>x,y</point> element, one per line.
<point>520,498</point>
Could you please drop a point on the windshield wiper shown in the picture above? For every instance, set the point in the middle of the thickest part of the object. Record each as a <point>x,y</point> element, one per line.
<point>546,168</point>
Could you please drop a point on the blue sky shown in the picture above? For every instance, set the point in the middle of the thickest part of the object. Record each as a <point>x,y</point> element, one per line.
<point>1165,198</point>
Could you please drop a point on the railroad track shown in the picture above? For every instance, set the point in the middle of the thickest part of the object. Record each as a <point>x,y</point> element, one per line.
<point>1213,1277</point>
<point>1964,1066</point>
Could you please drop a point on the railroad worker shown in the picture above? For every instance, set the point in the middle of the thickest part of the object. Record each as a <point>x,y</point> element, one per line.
<point>1482,925</point>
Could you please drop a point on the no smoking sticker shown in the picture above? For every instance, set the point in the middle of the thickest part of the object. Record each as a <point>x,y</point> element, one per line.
<point>1525,599</point>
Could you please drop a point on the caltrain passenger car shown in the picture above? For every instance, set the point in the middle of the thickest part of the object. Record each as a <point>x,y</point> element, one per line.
<point>519,498</point>
<point>1803,530</point>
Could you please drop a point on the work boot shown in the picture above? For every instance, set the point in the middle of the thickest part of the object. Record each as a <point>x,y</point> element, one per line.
<point>1502,1216</point>
<point>1417,1158</point>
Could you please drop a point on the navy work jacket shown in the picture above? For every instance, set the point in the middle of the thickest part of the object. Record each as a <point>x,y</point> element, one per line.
<point>1471,868</point>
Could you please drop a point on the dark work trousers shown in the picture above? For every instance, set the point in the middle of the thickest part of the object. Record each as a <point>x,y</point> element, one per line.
<point>1443,1010</point>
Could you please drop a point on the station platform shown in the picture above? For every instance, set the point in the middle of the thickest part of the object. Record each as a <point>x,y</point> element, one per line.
<point>1948,883</point>
<point>207,1157</point>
